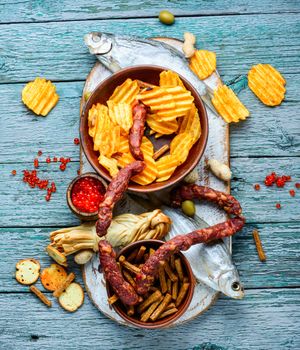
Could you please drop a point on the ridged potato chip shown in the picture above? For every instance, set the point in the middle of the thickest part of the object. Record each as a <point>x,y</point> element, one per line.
<point>110,164</point>
<point>165,128</point>
<point>126,92</point>
<point>190,124</point>
<point>107,135</point>
<point>166,166</point>
<point>40,96</point>
<point>183,102</point>
<point>181,145</point>
<point>124,144</point>
<point>203,63</point>
<point>267,84</point>
<point>92,119</point>
<point>148,175</point>
<point>169,78</point>
<point>228,105</point>
<point>157,99</point>
<point>120,114</point>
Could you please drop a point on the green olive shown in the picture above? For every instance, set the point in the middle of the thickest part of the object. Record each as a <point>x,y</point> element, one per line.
<point>166,17</point>
<point>87,95</point>
<point>188,207</point>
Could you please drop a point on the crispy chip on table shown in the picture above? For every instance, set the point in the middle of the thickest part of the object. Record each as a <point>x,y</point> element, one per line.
<point>267,84</point>
<point>170,78</point>
<point>166,166</point>
<point>120,114</point>
<point>228,105</point>
<point>40,96</point>
<point>110,164</point>
<point>181,145</point>
<point>126,92</point>
<point>161,127</point>
<point>190,124</point>
<point>203,63</point>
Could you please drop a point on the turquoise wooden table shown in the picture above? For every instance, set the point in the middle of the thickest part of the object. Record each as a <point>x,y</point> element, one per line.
<point>45,38</point>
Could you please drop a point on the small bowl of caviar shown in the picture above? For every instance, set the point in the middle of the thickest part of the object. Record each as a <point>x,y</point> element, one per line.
<point>84,194</point>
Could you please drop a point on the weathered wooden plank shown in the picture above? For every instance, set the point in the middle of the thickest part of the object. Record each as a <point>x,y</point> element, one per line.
<point>58,51</point>
<point>280,242</point>
<point>251,323</point>
<point>32,11</point>
<point>27,207</point>
<point>273,131</point>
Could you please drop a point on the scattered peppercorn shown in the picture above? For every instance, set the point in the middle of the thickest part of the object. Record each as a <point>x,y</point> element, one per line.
<point>14,172</point>
<point>292,193</point>
<point>257,187</point>
<point>278,206</point>
<point>76,141</point>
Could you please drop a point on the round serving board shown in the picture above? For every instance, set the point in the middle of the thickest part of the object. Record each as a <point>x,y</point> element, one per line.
<point>217,148</point>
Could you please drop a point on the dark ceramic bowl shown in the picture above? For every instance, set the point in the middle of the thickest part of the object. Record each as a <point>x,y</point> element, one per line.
<point>166,321</point>
<point>82,215</point>
<point>149,74</point>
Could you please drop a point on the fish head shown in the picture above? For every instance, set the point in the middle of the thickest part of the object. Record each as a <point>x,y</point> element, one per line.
<point>99,43</point>
<point>104,46</point>
<point>230,284</point>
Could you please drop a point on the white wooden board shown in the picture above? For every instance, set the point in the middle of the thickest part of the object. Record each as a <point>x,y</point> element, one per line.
<point>217,148</point>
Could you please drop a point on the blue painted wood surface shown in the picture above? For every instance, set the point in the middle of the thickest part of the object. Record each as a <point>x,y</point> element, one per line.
<point>45,38</point>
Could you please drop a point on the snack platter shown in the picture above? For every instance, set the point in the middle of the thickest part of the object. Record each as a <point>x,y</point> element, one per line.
<point>217,148</point>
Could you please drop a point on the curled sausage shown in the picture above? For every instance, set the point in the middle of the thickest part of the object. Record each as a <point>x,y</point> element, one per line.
<point>193,191</point>
<point>114,276</point>
<point>114,193</point>
<point>149,271</point>
<point>139,114</point>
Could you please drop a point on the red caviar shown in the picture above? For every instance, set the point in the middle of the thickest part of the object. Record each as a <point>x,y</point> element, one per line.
<point>36,163</point>
<point>40,153</point>
<point>48,160</point>
<point>257,187</point>
<point>278,206</point>
<point>76,141</point>
<point>62,167</point>
<point>292,193</point>
<point>54,159</point>
<point>87,193</point>
<point>14,172</point>
<point>297,185</point>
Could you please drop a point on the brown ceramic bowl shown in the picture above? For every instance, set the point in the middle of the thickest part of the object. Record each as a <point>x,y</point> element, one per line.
<point>82,215</point>
<point>166,321</point>
<point>149,74</point>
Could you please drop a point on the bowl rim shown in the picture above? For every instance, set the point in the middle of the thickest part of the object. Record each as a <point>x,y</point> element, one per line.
<point>172,318</point>
<point>76,211</point>
<point>161,185</point>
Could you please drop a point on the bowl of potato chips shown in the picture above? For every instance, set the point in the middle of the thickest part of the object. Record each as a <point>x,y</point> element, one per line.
<point>175,134</point>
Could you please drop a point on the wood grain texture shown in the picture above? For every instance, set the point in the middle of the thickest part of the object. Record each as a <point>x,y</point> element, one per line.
<point>280,242</point>
<point>58,51</point>
<point>273,131</point>
<point>27,207</point>
<point>251,323</point>
<point>35,10</point>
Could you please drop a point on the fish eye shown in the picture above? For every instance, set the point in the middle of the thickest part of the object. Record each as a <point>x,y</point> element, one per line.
<point>236,286</point>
